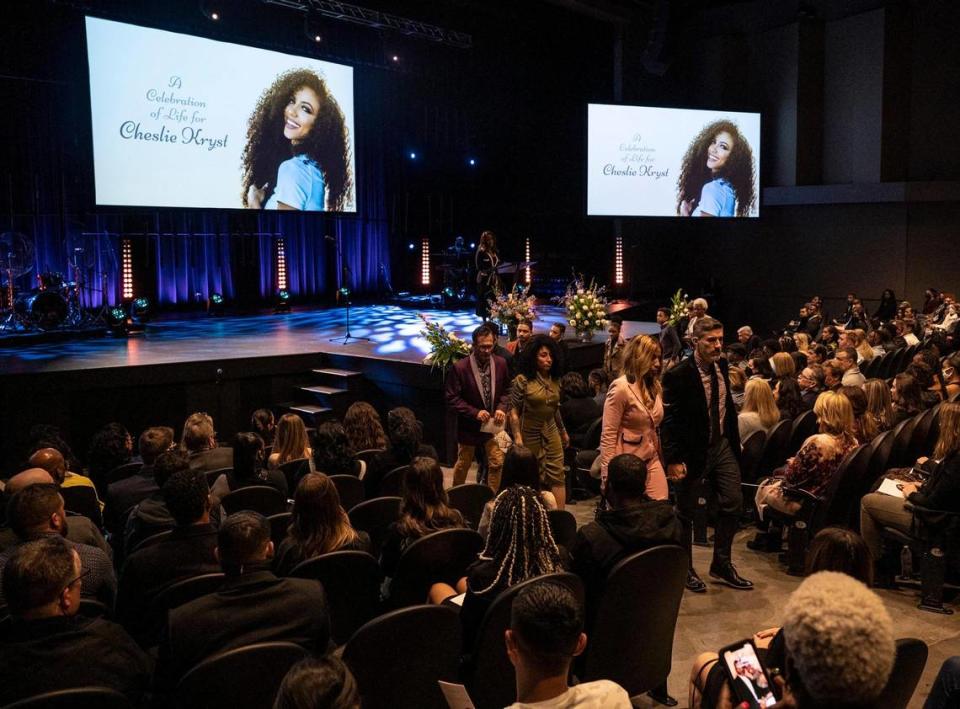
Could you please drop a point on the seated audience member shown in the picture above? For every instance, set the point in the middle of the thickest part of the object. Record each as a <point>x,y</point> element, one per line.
<point>799,360</point>
<point>759,411</point>
<point>906,397</point>
<point>879,404</point>
<point>578,408</point>
<point>810,381</point>
<point>931,301</point>
<point>830,338</point>
<point>318,683</point>
<point>51,460</point>
<point>424,509</point>
<point>832,375</point>
<point>759,366</point>
<point>876,339</point>
<point>847,360</point>
<point>124,495</point>
<point>36,512</point>
<point>598,381</point>
<point>802,341</point>
<point>520,467</point>
<point>783,365</point>
<point>252,605</point>
<point>405,444</point>
<point>520,546</point>
<point>786,392</point>
<point>738,384</point>
<point>333,454</point>
<point>199,441</point>
<point>633,522</point>
<point>47,646</point>
<point>864,425</point>
<point>319,525</point>
<point>951,375</point>
<point>929,389</point>
<point>262,423</point>
<point>940,491</point>
<point>110,447</point>
<point>817,354</point>
<point>79,529</point>
<point>151,515</point>
<point>905,336</point>
<point>746,338</point>
<point>737,356</point>
<point>290,442</point>
<point>247,470</point>
<point>188,551</point>
<point>814,465</point>
<point>363,427</point>
<point>43,435</point>
<point>545,635</point>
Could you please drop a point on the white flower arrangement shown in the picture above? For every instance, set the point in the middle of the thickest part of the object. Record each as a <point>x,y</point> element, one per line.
<point>445,347</point>
<point>586,307</point>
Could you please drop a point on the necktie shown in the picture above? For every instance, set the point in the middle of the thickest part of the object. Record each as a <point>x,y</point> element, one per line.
<point>714,405</point>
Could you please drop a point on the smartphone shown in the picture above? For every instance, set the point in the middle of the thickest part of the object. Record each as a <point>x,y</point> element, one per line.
<point>749,681</point>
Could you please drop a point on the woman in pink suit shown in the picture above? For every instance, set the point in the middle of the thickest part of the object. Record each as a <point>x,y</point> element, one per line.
<point>632,413</point>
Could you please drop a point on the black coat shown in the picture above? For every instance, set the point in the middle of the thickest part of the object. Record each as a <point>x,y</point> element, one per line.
<point>685,431</point>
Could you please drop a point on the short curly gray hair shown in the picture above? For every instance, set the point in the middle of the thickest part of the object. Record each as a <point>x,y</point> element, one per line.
<point>839,637</point>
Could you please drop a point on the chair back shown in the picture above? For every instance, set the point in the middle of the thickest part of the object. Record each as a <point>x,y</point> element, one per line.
<point>470,499</point>
<point>180,592</point>
<point>872,367</point>
<point>882,445</point>
<point>77,698</point>
<point>921,432</point>
<point>492,681</point>
<point>750,455</point>
<point>775,448</point>
<point>839,498</point>
<point>155,538</point>
<point>591,439</point>
<point>375,517</point>
<point>369,454</point>
<point>428,636</point>
<point>392,482</point>
<point>246,676</point>
<point>293,470</point>
<point>351,580</point>
<point>902,435</point>
<point>439,557</point>
<point>83,501</point>
<point>899,361</point>
<point>907,668</point>
<point>122,472</point>
<point>631,642</point>
<point>212,475</point>
<point>350,490</point>
<point>259,498</point>
<point>804,426</point>
<point>278,527</point>
<point>564,527</point>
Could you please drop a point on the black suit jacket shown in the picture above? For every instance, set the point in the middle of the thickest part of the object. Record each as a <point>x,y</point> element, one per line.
<point>685,431</point>
<point>124,495</point>
<point>255,607</point>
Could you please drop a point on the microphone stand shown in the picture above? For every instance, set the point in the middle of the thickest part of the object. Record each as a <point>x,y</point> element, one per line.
<point>344,290</point>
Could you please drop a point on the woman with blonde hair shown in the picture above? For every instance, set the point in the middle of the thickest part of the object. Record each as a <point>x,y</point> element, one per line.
<point>783,365</point>
<point>818,459</point>
<point>633,411</point>
<point>803,341</point>
<point>759,412</point>
<point>290,443</point>
<point>864,350</point>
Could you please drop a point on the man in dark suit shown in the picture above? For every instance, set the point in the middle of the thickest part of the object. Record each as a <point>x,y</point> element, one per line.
<point>476,390</point>
<point>252,605</point>
<point>200,441</point>
<point>701,441</point>
<point>124,495</point>
<point>188,551</point>
<point>670,346</point>
<point>557,331</point>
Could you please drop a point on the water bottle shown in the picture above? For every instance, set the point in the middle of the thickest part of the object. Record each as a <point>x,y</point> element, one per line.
<point>906,562</point>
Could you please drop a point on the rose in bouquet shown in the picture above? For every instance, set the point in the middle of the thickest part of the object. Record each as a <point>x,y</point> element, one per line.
<point>586,307</point>
<point>510,308</point>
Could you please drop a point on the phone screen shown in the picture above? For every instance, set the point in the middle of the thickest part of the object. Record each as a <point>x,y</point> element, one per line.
<point>748,679</point>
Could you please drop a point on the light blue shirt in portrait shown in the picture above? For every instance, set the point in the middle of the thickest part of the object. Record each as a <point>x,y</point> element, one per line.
<point>299,185</point>
<point>717,198</point>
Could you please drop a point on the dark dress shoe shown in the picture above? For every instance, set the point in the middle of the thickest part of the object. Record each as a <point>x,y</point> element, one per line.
<point>727,573</point>
<point>695,583</point>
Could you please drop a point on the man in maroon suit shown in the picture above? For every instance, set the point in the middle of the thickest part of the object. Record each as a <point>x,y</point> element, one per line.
<point>477,390</point>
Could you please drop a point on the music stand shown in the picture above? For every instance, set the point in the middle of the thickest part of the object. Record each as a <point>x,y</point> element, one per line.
<point>347,337</point>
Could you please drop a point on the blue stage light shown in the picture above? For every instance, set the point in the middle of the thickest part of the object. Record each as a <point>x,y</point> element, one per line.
<point>283,294</point>
<point>473,245</point>
<point>140,309</point>
<point>472,162</point>
<point>216,299</point>
<point>412,246</point>
<point>117,315</point>
<point>413,156</point>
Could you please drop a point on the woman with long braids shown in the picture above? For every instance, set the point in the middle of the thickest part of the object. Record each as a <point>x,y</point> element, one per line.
<point>717,174</point>
<point>297,154</point>
<point>520,546</point>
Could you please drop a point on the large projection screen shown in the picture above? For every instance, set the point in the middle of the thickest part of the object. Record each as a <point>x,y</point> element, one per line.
<point>181,121</point>
<point>667,162</point>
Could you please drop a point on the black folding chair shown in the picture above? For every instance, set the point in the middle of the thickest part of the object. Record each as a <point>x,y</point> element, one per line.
<point>439,557</point>
<point>907,668</point>
<point>246,676</point>
<point>351,580</point>
<point>259,498</point>
<point>428,636</point>
<point>369,454</point>
<point>174,596</point>
<point>470,499</point>
<point>564,527</point>
<point>82,500</point>
<point>392,482</point>
<point>155,538</point>
<point>122,472</point>
<point>804,426</point>
<point>78,698</point>
<point>350,489</point>
<point>293,470</point>
<point>212,475</point>
<point>375,517</point>
<point>750,455</point>
<point>775,448</point>
<point>278,526</point>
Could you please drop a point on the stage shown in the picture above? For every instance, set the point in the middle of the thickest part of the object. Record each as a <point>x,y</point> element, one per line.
<point>230,365</point>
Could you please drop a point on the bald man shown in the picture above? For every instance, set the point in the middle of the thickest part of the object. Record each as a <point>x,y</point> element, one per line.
<point>80,529</point>
<point>51,460</point>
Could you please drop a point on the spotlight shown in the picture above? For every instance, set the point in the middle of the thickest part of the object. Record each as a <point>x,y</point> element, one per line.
<point>118,321</point>
<point>216,299</point>
<point>473,244</point>
<point>283,301</point>
<point>210,9</point>
<point>395,58</point>
<point>215,304</point>
<point>472,162</point>
<point>413,156</point>
<point>140,310</point>
<point>311,27</point>
<point>411,246</point>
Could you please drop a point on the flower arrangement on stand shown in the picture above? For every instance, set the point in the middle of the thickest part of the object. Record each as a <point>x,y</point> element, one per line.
<point>508,309</point>
<point>586,307</point>
<point>679,304</point>
<point>445,347</point>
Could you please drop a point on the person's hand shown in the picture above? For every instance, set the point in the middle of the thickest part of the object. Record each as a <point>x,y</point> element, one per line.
<point>499,417</point>
<point>786,699</point>
<point>483,416</point>
<point>908,488</point>
<point>922,459</point>
<point>763,638</point>
<point>565,438</point>
<point>676,471</point>
<point>256,196</point>
<point>686,207</point>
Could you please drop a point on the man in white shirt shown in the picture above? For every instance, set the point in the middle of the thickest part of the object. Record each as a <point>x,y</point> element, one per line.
<point>546,633</point>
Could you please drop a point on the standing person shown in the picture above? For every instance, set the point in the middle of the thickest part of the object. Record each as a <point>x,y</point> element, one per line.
<point>669,340</point>
<point>701,440</point>
<point>486,260</point>
<point>476,390</point>
<point>633,412</point>
<point>557,331</point>
<point>613,348</point>
<point>535,413</point>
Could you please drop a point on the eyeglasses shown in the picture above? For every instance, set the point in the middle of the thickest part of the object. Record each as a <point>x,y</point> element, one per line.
<point>78,579</point>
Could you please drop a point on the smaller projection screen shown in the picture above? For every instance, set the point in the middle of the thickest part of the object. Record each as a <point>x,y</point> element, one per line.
<point>666,162</point>
<point>182,121</point>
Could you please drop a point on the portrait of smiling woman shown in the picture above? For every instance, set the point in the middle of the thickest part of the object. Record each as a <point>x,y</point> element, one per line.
<point>297,154</point>
<point>717,174</point>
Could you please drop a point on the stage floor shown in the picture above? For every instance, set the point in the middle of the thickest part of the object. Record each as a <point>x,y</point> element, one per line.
<point>394,334</point>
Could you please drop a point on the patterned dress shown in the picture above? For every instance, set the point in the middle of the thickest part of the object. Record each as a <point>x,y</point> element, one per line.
<point>537,403</point>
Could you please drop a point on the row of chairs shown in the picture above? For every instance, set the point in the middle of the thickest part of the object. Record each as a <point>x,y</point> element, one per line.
<point>889,364</point>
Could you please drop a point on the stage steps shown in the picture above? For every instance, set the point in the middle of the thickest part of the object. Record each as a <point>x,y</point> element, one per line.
<point>330,397</point>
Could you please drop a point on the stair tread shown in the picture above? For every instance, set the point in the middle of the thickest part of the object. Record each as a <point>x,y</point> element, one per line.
<point>330,391</point>
<point>309,408</point>
<point>334,372</point>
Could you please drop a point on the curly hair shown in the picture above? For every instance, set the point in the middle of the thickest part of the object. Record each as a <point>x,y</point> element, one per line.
<point>362,423</point>
<point>333,454</point>
<point>739,169</point>
<point>528,358</point>
<point>326,145</point>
